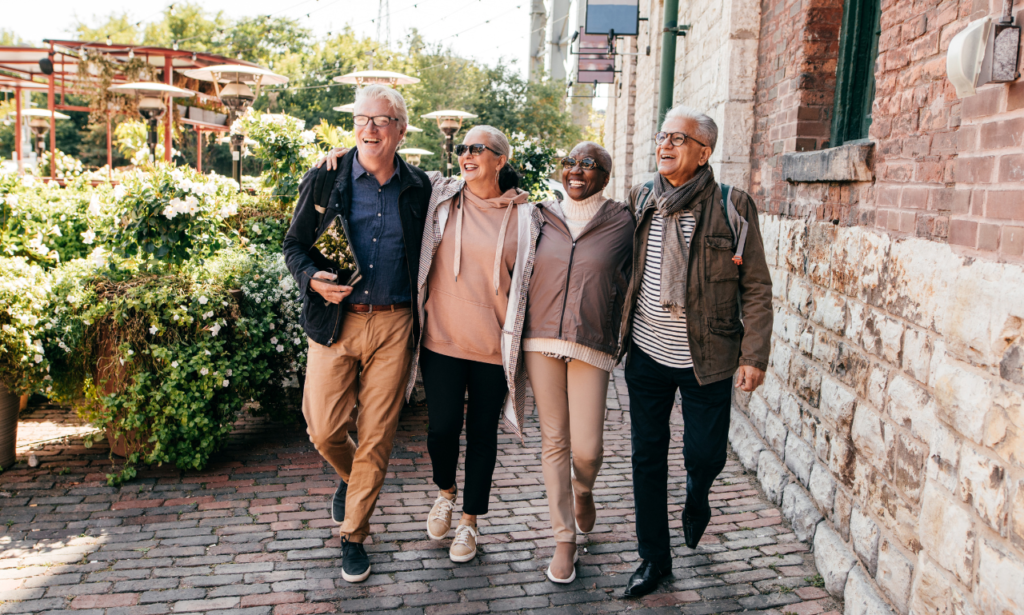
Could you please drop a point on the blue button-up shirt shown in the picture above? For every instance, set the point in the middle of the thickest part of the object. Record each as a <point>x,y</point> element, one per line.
<point>377,241</point>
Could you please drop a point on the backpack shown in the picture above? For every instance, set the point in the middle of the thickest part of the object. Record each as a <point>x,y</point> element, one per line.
<point>737,223</point>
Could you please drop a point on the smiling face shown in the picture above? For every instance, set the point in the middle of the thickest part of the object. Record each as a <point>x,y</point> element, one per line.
<point>679,164</point>
<point>373,142</point>
<point>581,184</point>
<point>484,166</point>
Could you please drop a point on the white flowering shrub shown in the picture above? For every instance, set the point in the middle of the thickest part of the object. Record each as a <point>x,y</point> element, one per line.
<point>171,214</point>
<point>24,300</point>
<point>286,149</point>
<point>534,161</point>
<point>48,224</point>
<point>68,167</point>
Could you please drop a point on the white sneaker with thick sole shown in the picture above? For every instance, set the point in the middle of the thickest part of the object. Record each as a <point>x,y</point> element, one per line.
<point>572,577</point>
<point>439,521</point>
<point>464,546</point>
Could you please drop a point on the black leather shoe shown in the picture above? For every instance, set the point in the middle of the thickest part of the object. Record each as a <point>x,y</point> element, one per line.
<point>338,506</point>
<point>693,528</point>
<point>645,579</point>
<point>355,564</point>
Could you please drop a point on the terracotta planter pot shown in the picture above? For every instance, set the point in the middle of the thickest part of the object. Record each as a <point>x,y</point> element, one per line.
<point>9,406</point>
<point>112,375</point>
<point>23,402</point>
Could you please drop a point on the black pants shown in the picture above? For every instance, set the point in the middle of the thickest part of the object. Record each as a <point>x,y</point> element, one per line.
<point>445,380</point>
<point>652,388</point>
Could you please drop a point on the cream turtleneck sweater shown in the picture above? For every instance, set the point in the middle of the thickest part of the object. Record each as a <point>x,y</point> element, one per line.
<point>577,215</point>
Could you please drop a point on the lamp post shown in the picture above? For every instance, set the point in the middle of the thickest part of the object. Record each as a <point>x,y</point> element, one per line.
<point>39,122</point>
<point>151,104</point>
<point>232,84</point>
<point>449,122</point>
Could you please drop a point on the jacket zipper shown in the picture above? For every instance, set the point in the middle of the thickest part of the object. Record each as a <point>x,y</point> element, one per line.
<point>565,295</point>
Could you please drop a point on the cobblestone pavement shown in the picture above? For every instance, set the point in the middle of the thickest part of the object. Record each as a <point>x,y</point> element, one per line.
<point>253,534</point>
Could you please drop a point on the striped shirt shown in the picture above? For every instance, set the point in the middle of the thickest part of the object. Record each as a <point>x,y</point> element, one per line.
<point>654,330</point>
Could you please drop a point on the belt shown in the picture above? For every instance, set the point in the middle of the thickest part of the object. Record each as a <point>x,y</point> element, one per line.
<point>363,308</point>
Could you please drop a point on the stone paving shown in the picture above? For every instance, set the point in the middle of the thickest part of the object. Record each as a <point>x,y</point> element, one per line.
<point>253,534</point>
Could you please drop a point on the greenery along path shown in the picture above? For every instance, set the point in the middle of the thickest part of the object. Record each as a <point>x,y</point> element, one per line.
<point>253,534</point>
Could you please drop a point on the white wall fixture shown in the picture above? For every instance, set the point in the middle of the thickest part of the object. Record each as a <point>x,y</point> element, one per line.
<point>965,55</point>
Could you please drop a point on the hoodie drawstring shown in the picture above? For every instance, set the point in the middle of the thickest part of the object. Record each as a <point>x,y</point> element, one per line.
<point>496,273</point>
<point>458,234</point>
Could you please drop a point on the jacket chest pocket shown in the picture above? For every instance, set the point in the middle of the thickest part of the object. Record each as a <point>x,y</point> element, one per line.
<point>718,253</point>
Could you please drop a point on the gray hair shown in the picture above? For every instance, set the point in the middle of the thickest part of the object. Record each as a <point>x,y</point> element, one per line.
<point>391,96</point>
<point>496,139</point>
<point>707,129</point>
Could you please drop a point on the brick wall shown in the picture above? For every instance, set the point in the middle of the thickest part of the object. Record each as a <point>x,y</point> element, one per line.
<point>893,409</point>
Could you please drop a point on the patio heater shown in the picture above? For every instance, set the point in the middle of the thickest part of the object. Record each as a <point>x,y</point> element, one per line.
<point>39,122</point>
<point>412,154</point>
<point>449,122</point>
<point>232,84</point>
<point>376,77</point>
<point>151,103</point>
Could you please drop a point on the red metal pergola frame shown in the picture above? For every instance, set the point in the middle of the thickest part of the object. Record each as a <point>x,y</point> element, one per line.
<point>20,71</point>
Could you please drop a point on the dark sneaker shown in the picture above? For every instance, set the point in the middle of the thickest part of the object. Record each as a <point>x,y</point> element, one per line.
<point>338,506</point>
<point>355,564</point>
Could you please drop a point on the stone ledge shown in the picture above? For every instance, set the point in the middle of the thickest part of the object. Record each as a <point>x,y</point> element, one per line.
<point>847,163</point>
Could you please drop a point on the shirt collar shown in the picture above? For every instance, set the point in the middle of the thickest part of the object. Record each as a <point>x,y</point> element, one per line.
<point>358,170</point>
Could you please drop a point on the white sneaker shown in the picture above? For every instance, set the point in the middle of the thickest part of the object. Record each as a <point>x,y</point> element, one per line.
<point>464,546</point>
<point>439,521</point>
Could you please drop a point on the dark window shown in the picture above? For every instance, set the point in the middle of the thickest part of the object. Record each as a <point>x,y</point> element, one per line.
<point>855,72</point>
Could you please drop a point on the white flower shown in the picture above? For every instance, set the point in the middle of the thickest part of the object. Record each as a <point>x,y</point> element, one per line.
<point>215,329</point>
<point>225,384</point>
<point>280,348</point>
<point>296,341</point>
<point>174,364</point>
<point>207,352</point>
<point>12,199</point>
<point>153,330</point>
<point>56,231</point>
<point>169,212</point>
<point>203,300</point>
<point>307,136</point>
<point>271,326</point>
<point>39,358</point>
<point>88,237</point>
<point>204,371</point>
<point>256,228</point>
<point>120,191</point>
<point>273,340</point>
<point>230,373</point>
<point>177,176</point>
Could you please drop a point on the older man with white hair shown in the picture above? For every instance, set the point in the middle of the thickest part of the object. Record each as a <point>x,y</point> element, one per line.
<point>361,337</point>
<point>698,312</point>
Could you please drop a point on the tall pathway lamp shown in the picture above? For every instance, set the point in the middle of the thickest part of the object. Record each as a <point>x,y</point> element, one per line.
<point>233,84</point>
<point>151,103</point>
<point>412,154</point>
<point>449,122</point>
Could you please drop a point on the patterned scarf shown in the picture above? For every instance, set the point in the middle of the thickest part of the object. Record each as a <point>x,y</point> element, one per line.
<point>675,253</point>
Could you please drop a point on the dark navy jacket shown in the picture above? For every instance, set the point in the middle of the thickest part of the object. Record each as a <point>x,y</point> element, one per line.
<point>322,323</point>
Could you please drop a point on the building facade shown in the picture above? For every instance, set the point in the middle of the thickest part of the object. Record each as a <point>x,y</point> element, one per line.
<point>891,424</point>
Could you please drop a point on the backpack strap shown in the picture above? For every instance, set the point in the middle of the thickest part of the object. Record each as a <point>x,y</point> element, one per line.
<point>726,202</point>
<point>649,187</point>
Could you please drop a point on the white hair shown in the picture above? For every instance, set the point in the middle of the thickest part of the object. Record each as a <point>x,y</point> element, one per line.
<point>496,139</point>
<point>707,129</point>
<point>391,96</point>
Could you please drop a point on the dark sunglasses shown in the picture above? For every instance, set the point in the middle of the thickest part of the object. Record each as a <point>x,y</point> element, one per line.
<point>475,150</point>
<point>587,164</point>
<point>380,121</point>
<point>677,138</point>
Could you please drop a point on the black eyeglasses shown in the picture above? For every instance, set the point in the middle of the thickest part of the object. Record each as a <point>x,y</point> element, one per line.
<point>677,138</point>
<point>587,164</point>
<point>380,121</point>
<point>475,150</point>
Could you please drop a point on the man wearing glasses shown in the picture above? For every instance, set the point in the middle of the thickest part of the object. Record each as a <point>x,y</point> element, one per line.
<point>698,312</point>
<point>361,337</point>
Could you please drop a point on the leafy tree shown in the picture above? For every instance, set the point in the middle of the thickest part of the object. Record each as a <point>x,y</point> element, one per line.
<point>10,38</point>
<point>119,27</point>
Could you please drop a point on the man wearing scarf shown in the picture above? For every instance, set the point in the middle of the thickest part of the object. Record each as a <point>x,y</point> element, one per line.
<point>697,313</point>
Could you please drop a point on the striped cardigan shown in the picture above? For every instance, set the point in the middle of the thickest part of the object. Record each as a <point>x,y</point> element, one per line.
<point>444,189</point>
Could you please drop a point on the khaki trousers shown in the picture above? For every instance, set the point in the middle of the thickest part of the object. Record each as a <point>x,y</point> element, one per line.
<point>571,405</point>
<point>370,364</point>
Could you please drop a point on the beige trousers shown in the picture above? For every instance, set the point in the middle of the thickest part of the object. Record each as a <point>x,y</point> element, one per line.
<point>370,364</point>
<point>571,405</point>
